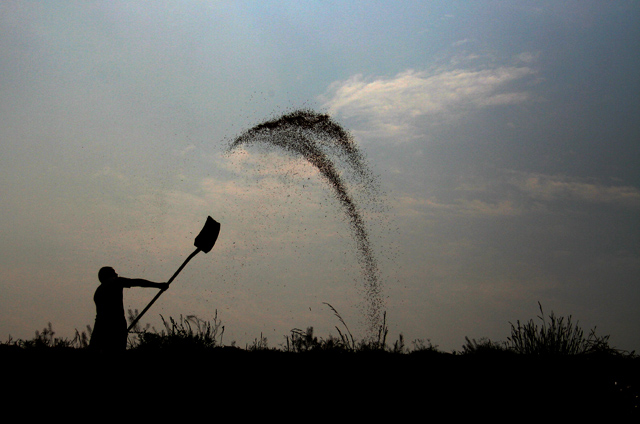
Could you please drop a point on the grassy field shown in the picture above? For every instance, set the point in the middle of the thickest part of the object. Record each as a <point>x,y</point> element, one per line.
<point>547,368</point>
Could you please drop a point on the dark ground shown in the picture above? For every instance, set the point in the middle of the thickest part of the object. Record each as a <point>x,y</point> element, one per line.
<point>327,385</point>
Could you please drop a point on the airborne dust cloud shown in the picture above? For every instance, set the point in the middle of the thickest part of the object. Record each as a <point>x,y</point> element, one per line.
<point>318,139</point>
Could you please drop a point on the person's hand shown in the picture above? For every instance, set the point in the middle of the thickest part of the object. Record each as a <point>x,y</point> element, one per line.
<point>163,286</point>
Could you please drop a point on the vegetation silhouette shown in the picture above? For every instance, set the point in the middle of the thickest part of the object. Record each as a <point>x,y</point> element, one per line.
<point>542,379</point>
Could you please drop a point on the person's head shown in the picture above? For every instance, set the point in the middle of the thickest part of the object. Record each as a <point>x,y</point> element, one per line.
<point>106,273</point>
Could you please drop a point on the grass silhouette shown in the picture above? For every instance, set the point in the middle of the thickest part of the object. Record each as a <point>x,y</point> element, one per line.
<point>556,336</point>
<point>549,366</point>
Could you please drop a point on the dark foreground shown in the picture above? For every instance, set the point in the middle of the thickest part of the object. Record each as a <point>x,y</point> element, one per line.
<point>324,386</point>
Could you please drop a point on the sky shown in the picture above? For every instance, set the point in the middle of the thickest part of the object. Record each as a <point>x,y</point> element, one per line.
<point>503,136</point>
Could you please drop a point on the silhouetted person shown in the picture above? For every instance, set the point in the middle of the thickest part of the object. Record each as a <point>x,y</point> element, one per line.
<point>110,329</point>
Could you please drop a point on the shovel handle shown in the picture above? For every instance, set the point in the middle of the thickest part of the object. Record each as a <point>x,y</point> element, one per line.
<point>135,321</point>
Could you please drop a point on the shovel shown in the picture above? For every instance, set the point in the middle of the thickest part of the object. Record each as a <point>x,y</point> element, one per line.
<point>204,242</point>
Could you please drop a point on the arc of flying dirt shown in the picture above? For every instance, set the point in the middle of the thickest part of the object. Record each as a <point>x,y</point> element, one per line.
<point>299,133</point>
<point>305,123</point>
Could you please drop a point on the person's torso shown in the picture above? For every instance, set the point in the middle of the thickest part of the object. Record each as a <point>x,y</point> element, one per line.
<point>109,302</point>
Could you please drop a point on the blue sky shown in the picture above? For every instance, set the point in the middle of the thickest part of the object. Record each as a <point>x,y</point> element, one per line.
<point>504,136</point>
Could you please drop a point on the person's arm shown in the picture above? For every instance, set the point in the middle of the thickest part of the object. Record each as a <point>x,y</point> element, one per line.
<point>139,282</point>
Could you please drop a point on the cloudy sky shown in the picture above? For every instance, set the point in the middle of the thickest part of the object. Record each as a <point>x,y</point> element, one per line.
<point>504,136</point>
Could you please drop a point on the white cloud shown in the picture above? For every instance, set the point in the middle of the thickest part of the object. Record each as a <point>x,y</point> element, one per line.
<point>554,187</point>
<point>268,164</point>
<point>461,42</point>
<point>517,193</point>
<point>390,106</point>
<point>528,57</point>
<point>416,206</point>
<point>109,172</point>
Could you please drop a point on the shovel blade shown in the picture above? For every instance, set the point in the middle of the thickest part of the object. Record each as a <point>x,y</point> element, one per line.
<point>208,235</point>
